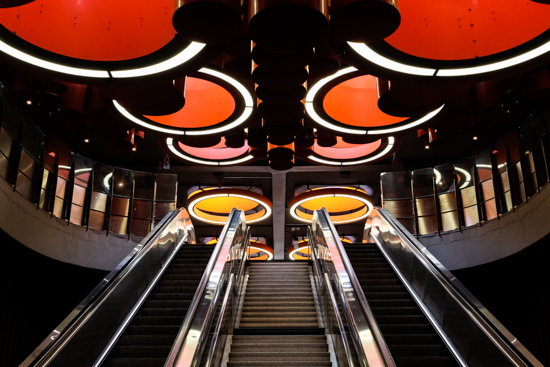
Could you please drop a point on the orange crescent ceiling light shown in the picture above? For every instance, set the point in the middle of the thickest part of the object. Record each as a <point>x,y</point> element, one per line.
<point>333,103</point>
<point>344,204</point>
<point>214,205</point>
<point>235,112</point>
<point>456,39</point>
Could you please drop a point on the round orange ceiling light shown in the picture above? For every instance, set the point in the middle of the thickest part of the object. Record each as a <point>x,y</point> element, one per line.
<point>344,204</point>
<point>303,251</point>
<point>214,205</point>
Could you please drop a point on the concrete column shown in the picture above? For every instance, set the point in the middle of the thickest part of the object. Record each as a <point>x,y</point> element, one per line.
<point>279,210</point>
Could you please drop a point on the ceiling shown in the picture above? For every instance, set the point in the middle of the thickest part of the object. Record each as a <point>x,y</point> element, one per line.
<point>233,93</point>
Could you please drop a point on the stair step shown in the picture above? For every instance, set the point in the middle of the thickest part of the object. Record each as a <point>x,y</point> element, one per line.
<point>278,356</point>
<point>280,347</point>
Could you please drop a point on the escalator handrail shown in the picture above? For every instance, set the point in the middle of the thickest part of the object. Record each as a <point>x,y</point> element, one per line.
<point>234,282</point>
<point>78,316</point>
<point>495,331</point>
<point>377,352</point>
<point>180,355</point>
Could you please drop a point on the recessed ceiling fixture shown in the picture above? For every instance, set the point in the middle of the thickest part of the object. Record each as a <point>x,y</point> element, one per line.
<point>214,205</point>
<point>344,204</point>
<point>303,252</point>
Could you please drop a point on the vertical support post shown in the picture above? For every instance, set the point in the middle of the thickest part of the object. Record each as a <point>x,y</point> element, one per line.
<point>279,210</point>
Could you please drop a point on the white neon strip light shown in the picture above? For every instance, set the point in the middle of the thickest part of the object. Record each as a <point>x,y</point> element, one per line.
<point>89,73</point>
<point>107,179</point>
<point>185,55</point>
<point>269,254</point>
<point>143,123</point>
<point>366,52</point>
<point>410,125</point>
<point>294,207</point>
<point>312,93</point>
<point>369,54</point>
<point>249,105</point>
<point>170,144</point>
<point>193,203</point>
<point>389,147</point>
<point>497,65</point>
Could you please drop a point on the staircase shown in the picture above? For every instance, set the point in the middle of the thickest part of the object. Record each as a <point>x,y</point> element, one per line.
<point>147,340</point>
<point>411,338</point>
<point>279,324</point>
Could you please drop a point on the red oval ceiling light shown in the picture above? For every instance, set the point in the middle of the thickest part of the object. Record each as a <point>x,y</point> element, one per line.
<point>460,30</point>
<point>206,104</point>
<point>100,30</point>
<point>456,39</point>
<point>214,205</point>
<point>355,102</point>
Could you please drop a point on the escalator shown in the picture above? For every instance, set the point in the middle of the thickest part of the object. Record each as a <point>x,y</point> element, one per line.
<point>411,338</point>
<point>148,338</point>
<point>403,308</point>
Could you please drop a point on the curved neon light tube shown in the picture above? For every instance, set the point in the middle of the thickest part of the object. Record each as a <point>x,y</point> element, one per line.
<point>170,144</point>
<point>467,177</point>
<point>410,125</point>
<point>249,105</point>
<point>389,147</point>
<point>369,54</point>
<point>89,73</point>
<point>312,93</point>
<point>193,203</point>
<point>185,55</point>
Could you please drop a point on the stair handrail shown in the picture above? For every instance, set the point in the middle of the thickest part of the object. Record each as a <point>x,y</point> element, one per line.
<point>503,340</point>
<point>367,338</point>
<point>50,347</point>
<point>191,339</point>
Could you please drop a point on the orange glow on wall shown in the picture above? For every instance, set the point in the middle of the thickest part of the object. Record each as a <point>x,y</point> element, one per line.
<point>343,150</point>
<point>463,29</point>
<point>355,102</point>
<point>98,30</point>
<point>206,104</point>
<point>217,152</point>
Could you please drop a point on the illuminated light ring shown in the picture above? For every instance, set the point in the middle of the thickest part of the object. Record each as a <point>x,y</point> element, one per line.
<point>369,54</point>
<point>467,176</point>
<point>260,247</point>
<point>294,252</point>
<point>387,150</point>
<point>241,119</point>
<point>360,196</point>
<point>190,158</point>
<point>336,126</point>
<point>238,193</point>
<point>188,53</point>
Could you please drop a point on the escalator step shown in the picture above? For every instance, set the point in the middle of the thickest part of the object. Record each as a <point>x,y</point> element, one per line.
<point>142,351</point>
<point>425,361</point>
<point>145,340</point>
<point>134,362</point>
<point>411,339</point>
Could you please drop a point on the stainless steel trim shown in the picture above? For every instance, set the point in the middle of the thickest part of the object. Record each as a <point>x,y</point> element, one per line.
<point>339,321</point>
<point>502,339</point>
<point>50,347</point>
<point>369,344</point>
<point>190,342</point>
